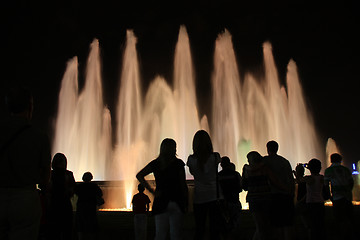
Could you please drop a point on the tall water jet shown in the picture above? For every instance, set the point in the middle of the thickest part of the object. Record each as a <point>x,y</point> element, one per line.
<point>185,97</point>
<point>173,112</point>
<point>302,128</point>
<point>83,129</point>
<point>165,112</point>
<point>227,101</point>
<point>331,148</point>
<point>68,98</point>
<point>127,148</point>
<point>246,113</point>
<point>246,116</point>
<point>277,126</point>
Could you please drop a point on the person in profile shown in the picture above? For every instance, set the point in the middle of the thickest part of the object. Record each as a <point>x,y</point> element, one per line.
<point>24,162</point>
<point>282,199</point>
<point>314,199</point>
<point>60,191</point>
<point>341,183</point>
<point>171,192</point>
<point>230,183</point>
<point>140,207</point>
<point>86,208</point>
<point>203,165</point>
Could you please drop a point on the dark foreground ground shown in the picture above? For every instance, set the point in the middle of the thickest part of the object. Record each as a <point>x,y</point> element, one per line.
<point>119,225</point>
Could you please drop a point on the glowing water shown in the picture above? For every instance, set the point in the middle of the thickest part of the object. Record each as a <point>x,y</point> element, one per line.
<point>257,111</point>
<point>245,114</point>
<point>83,126</point>
<point>331,148</point>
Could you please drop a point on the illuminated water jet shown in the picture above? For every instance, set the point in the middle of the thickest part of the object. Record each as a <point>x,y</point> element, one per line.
<point>246,113</point>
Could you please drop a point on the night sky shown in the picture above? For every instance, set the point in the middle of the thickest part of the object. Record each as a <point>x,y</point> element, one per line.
<point>37,39</point>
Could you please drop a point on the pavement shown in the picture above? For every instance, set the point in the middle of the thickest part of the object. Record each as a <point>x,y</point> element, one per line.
<point>119,225</point>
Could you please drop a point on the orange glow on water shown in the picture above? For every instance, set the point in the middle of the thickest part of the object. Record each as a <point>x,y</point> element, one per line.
<point>115,209</point>
<point>246,113</point>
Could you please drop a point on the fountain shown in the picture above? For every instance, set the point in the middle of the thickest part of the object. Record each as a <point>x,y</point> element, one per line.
<point>246,113</point>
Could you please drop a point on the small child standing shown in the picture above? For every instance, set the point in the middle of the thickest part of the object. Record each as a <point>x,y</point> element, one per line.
<point>140,206</point>
<point>314,199</point>
<point>300,206</point>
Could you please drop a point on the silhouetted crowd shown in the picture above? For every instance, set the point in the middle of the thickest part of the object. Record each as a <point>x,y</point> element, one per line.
<point>36,193</point>
<point>271,190</point>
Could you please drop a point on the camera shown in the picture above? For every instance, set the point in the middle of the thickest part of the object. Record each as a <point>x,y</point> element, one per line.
<point>305,165</point>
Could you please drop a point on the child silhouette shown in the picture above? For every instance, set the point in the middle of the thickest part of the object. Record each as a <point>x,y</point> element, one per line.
<point>140,206</point>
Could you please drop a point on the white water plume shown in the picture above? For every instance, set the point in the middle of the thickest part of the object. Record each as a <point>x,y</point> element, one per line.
<point>246,113</point>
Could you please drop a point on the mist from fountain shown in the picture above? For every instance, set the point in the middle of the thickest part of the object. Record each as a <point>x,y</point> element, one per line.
<point>246,113</point>
<point>83,124</point>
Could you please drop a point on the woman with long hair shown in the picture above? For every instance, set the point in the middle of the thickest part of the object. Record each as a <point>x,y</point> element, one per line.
<point>203,165</point>
<point>59,192</point>
<point>171,193</point>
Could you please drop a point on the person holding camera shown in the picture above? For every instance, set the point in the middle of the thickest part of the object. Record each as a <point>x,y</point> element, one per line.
<point>315,209</point>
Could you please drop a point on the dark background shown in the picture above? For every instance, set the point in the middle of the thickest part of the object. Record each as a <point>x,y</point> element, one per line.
<point>37,39</point>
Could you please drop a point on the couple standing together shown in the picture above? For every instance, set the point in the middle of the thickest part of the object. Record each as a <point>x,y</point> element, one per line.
<point>171,193</point>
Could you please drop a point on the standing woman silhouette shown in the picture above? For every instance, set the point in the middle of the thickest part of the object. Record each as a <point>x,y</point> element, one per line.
<point>60,190</point>
<point>171,193</point>
<point>203,165</point>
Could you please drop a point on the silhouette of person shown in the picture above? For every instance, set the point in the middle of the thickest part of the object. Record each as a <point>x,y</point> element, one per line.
<point>301,190</point>
<point>203,165</point>
<point>341,182</point>
<point>300,206</point>
<point>140,207</point>
<point>24,162</point>
<point>314,199</point>
<point>282,199</point>
<point>60,190</point>
<point>86,207</point>
<point>171,193</point>
<point>230,183</point>
<point>257,179</point>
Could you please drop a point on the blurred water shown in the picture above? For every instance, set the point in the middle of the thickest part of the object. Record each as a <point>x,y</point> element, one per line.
<point>246,113</point>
